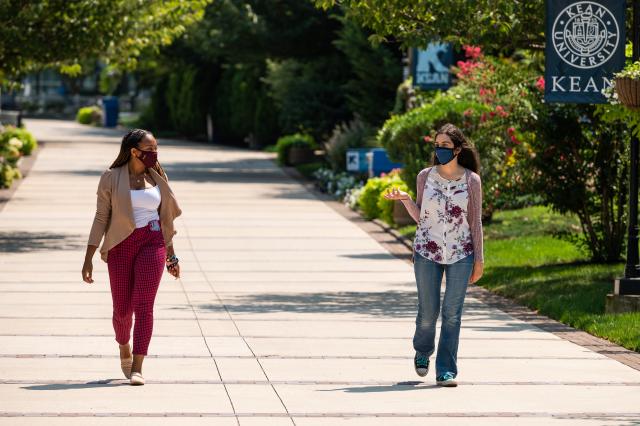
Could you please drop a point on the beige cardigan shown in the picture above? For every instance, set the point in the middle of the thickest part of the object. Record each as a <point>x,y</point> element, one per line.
<point>114,212</point>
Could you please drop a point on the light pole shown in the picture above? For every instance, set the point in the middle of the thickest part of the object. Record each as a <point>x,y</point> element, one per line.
<point>630,284</point>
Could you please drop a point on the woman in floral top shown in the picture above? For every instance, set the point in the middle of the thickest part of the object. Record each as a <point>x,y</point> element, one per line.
<point>448,241</point>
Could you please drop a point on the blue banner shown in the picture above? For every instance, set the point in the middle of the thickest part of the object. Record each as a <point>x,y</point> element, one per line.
<point>431,66</point>
<point>585,43</point>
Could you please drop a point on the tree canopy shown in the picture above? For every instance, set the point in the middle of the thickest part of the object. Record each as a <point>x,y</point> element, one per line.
<point>499,25</point>
<point>65,33</point>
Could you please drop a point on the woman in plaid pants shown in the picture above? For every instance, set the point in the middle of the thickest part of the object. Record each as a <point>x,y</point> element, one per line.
<point>135,213</point>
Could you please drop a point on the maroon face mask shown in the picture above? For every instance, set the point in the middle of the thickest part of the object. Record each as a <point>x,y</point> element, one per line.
<point>149,158</point>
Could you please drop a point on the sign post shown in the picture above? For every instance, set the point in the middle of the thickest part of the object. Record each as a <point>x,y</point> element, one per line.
<point>630,283</point>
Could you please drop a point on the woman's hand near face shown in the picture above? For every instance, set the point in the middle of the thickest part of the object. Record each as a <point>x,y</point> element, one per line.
<point>476,274</point>
<point>396,194</point>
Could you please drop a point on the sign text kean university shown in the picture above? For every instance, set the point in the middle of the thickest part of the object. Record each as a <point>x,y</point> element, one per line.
<point>585,46</point>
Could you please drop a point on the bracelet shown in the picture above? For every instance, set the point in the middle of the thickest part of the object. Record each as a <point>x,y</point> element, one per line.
<point>172,259</point>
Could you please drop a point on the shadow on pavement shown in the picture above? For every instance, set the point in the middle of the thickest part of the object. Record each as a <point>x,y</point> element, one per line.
<point>71,386</point>
<point>240,171</point>
<point>371,256</point>
<point>392,304</point>
<point>23,242</point>
<point>398,387</point>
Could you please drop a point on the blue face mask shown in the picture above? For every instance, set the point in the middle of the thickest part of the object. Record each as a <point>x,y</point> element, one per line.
<point>444,155</point>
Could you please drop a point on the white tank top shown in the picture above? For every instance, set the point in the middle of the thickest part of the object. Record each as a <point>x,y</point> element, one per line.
<point>145,204</point>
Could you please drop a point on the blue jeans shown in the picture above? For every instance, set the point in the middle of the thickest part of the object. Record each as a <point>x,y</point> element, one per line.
<point>429,279</point>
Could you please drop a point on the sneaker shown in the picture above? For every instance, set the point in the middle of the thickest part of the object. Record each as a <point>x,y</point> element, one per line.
<point>447,380</point>
<point>421,364</point>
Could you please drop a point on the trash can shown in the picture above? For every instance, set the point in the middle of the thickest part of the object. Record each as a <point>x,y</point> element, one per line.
<point>379,162</point>
<point>110,111</point>
<point>357,160</point>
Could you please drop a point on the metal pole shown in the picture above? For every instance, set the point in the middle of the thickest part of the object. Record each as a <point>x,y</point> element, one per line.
<point>629,285</point>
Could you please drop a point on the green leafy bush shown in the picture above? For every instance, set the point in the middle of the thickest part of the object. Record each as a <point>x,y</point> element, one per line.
<point>7,174</point>
<point>371,199</point>
<point>355,134</point>
<point>28,142</point>
<point>494,105</point>
<point>386,206</point>
<point>285,143</point>
<point>584,169</point>
<point>10,151</point>
<point>368,201</point>
<point>89,115</point>
<point>403,135</point>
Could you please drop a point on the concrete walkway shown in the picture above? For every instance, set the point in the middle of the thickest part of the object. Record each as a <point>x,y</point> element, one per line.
<point>287,313</point>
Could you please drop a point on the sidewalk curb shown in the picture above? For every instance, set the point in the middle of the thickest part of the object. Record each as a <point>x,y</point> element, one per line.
<point>403,249</point>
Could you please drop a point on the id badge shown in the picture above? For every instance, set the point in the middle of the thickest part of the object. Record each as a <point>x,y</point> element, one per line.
<point>154,225</point>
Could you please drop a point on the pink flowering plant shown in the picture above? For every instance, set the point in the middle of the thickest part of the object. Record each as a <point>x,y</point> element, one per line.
<point>492,102</point>
<point>508,91</point>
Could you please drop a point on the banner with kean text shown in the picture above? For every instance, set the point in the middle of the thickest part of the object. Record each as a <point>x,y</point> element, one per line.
<point>585,43</point>
<point>431,66</point>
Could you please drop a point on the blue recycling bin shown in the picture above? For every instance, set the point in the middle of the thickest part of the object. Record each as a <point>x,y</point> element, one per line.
<point>357,160</point>
<point>110,110</point>
<point>379,162</point>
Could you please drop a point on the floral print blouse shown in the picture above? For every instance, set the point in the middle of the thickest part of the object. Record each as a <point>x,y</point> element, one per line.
<point>443,233</point>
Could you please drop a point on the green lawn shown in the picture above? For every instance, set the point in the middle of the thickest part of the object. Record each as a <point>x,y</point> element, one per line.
<point>523,261</point>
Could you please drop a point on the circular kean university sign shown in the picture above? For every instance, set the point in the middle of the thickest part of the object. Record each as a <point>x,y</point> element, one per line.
<point>585,34</point>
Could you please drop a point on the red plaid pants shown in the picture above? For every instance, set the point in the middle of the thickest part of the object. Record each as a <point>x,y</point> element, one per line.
<point>135,269</point>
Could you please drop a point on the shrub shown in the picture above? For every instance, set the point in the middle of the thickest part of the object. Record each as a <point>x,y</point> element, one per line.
<point>355,134</point>
<point>581,166</point>
<point>493,104</point>
<point>386,206</point>
<point>352,196</point>
<point>7,174</point>
<point>285,143</point>
<point>368,201</point>
<point>89,115</point>
<point>10,151</point>
<point>403,135</point>
<point>27,142</point>
<point>337,184</point>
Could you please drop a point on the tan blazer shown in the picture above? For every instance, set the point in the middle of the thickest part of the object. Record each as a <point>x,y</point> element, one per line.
<point>114,212</point>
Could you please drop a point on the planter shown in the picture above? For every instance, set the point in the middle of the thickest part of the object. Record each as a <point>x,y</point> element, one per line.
<point>628,91</point>
<point>300,155</point>
<point>401,216</point>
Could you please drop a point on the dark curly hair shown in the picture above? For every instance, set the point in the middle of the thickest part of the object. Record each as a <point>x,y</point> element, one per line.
<point>468,156</point>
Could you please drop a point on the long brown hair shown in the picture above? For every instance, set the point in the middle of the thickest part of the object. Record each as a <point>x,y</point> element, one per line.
<point>468,156</point>
<point>131,140</point>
